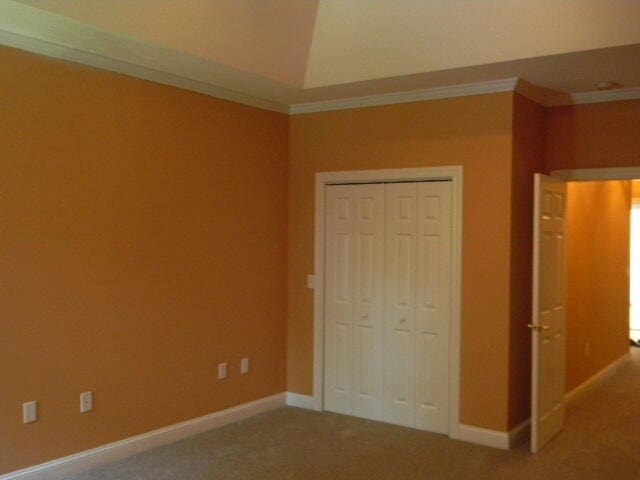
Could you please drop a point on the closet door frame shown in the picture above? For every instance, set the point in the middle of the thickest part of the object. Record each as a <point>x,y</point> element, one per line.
<point>450,173</point>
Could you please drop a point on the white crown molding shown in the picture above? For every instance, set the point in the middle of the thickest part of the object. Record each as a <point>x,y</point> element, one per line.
<point>45,33</point>
<point>463,90</point>
<point>597,96</point>
<point>533,93</point>
<point>79,462</point>
<point>37,31</point>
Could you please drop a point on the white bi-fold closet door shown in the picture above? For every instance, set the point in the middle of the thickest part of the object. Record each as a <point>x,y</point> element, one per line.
<point>387,302</point>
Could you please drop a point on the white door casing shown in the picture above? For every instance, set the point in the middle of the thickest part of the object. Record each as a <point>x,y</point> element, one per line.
<point>548,310</point>
<point>397,235</point>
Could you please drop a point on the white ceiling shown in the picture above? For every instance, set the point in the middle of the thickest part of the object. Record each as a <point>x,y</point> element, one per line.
<point>274,53</point>
<point>557,74</point>
<point>364,40</point>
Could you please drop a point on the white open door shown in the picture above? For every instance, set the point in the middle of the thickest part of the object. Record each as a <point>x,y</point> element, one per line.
<point>549,310</point>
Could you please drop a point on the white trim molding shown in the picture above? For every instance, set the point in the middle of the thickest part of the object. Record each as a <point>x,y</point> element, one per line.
<point>597,379</point>
<point>495,438</point>
<point>549,98</point>
<point>537,94</point>
<point>39,31</point>
<point>484,436</point>
<point>541,96</point>
<point>455,175</point>
<point>79,462</point>
<point>303,401</point>
<point>45,33</point>
<point>597,174</point>
<point>597,96</point>
<point>437,93</point>
<point>520,433</point>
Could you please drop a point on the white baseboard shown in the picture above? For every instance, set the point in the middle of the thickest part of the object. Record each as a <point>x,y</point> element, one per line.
<point>302,401</point>
<point>60,468</point>
<point>520,433</point>
<point>484,436</point>
<point>494,438</point>
<point>595,380</point>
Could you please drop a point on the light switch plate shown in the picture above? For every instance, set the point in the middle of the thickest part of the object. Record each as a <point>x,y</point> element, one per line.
<point>311,281</point>
<point>29,412</point>
<point>222,371</point>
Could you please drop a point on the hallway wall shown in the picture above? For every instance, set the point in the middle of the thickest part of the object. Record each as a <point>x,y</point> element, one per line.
<point>593,136</point>
<point>598,221</point>
<point>599,135</point>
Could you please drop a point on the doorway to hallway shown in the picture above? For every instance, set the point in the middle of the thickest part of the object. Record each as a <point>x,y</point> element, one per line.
<point>598,293</point>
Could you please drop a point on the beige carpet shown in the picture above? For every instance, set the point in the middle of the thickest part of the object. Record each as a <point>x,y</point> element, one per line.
<point>601,440</point>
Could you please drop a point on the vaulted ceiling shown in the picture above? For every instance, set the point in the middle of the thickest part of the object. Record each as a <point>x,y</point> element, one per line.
<point>270,38</point>
<point>294,51</point>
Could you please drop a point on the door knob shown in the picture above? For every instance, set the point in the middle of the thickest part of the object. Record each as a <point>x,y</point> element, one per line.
<point>538,328</point>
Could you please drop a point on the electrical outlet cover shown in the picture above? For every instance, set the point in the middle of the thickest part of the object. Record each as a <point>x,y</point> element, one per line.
<point>244,366</point>
<point>86,402</point>
<point>222,371</point>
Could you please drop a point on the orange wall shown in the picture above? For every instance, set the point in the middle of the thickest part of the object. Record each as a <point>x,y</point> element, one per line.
<point>592,136</point>
<point>528,159</point>
<point>474,132</point>
<point>144,241</point>
<point>598,222</point>
<point>595,136</point>
<point>139,218</point>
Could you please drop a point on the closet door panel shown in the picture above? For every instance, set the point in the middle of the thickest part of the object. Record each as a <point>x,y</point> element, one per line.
<point>339,295</point>
<point>354,299</point>
<point>433,300</point>
<point>400,297</point>
<point>368,300</point>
